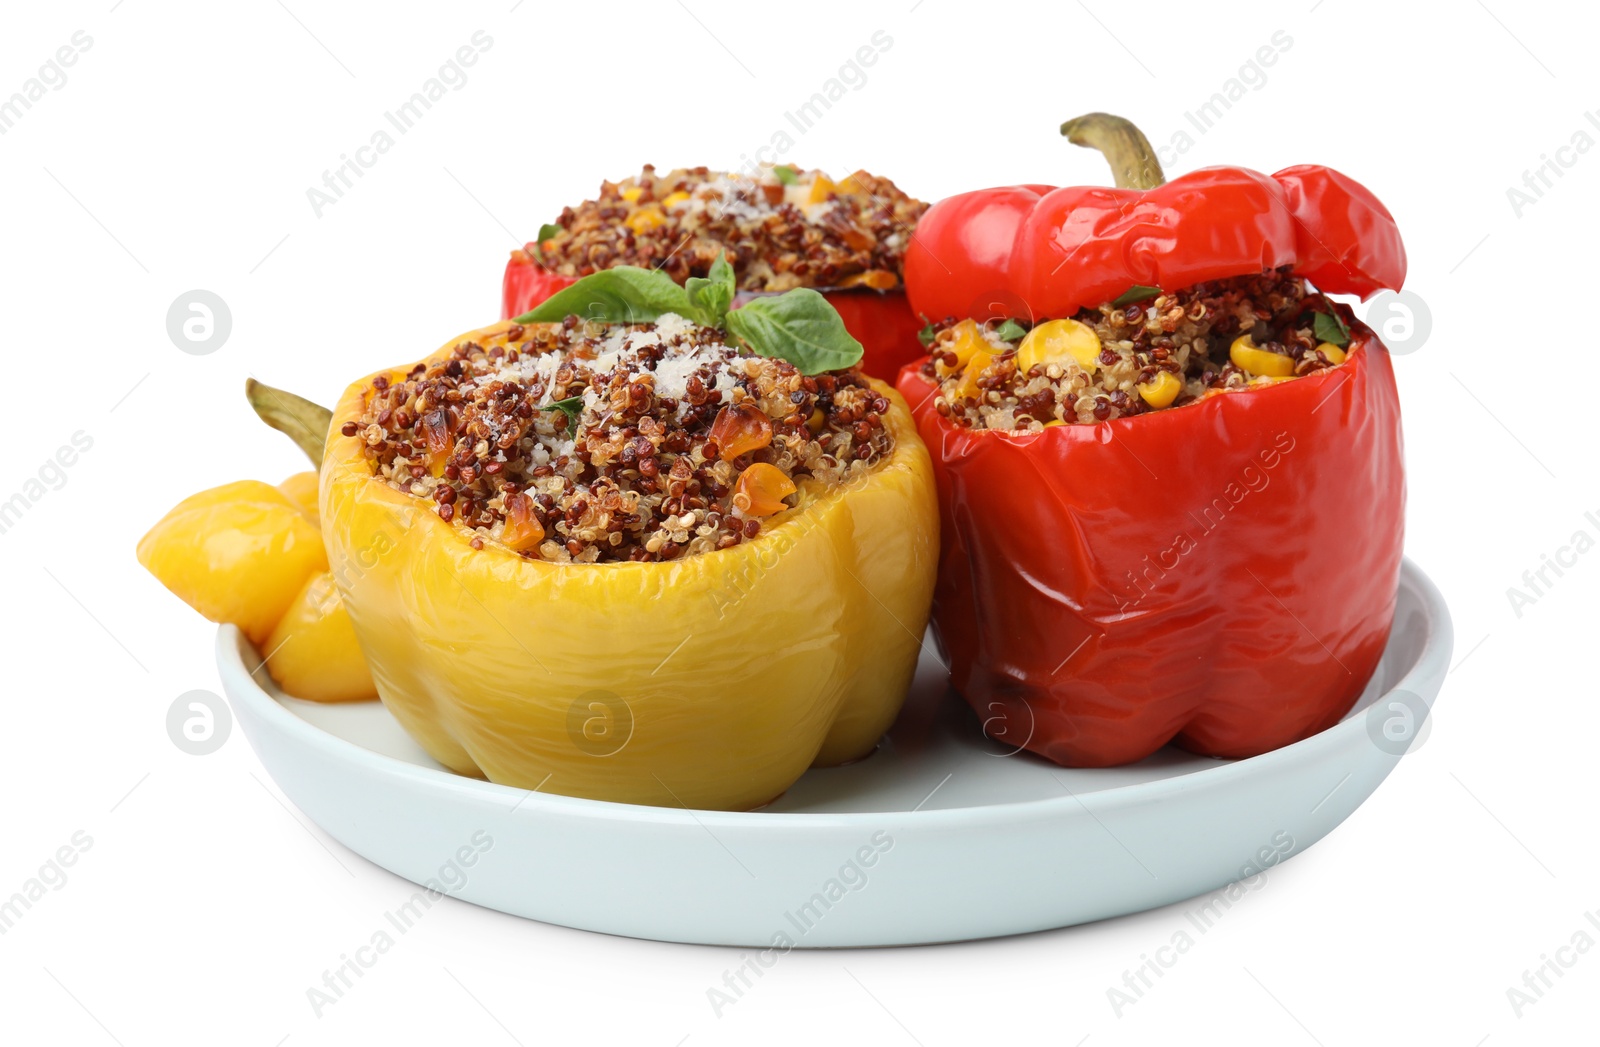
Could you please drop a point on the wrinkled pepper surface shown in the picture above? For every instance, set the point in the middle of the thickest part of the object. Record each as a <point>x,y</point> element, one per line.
<point>880,320</point>
<point>1222,574</point>
<point>1038,251</point>
<point>711,681</point>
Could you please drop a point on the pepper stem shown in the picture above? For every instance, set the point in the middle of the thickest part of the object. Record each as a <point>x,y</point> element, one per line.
<point>301,420</point>
<point>1133,162</point>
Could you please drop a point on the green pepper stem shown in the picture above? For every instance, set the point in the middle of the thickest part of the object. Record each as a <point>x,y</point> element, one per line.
<point>1133,162</point>
<point>301,420</point>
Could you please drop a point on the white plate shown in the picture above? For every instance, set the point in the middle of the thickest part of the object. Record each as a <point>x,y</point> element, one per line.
<point>940,835</point>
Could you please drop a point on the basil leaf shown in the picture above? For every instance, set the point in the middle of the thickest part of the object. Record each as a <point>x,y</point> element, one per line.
<point>711,297</point>
<point>572,407</point>
<point>786,174</point>
<point>927,335</point>
<point>1136,293</point>
<point>1330,328</point>
<point>1010,331</point>
<point>798,326</point>
<point>546,231</point>
<point>624,295</point>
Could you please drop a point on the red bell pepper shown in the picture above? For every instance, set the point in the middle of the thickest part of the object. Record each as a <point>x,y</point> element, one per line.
<point>1056,251</point>
<point>880,320</point>
<point>1220,574</point>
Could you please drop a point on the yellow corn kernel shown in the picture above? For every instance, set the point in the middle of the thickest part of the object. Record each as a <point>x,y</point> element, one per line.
<point>645,218</point>
<point>674,199</point>
<point>1057,342</point>
<point>313,653</point>
<point>1161,390</point>
<point>1334,354</point>
<point>302,491</point>
<point>631,194</point>
<point>821,189</point>
<point>1247,357</point>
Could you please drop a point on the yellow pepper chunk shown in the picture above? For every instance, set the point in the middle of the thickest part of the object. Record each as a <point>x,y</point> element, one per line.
<point>302,491</point>
<point>645,218</point>
<point>761,490</point>
<point>1247,357</point>
<point>674,199</point>
<point>313,652</point>
<point>1161,390</point>
<point>1334,354</point>
<point>1058,341</point>
<point>821,189</point>
<point>973,354</point>
<point>238,553</point>
<point>631,194</point>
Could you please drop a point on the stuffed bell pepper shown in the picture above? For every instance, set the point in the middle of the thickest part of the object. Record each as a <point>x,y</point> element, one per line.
<point>661,553</point>
<point>1169,466</point>
<point>781,226</point>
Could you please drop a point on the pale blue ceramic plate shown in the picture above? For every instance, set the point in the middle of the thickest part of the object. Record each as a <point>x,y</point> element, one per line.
<point>941,835</point>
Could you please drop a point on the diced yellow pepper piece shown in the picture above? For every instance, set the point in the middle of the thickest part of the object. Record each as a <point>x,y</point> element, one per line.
<point>238,553</point>
<point>313,652</point>
<point>647,217</point>
<point>821,189</point>
<point>761,490</point>
<point>1247,357</point>
<point>1334,354</point>
<point>632,193</point>
<point>302,491</point>
<point>1058,341</point>
<point>1161,390</point>
<point>674,199</point>
<point>973,355</point>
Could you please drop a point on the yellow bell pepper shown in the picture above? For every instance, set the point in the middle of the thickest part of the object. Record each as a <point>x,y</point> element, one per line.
<point>302,491</point>
<point>711,681</point>
<point>251,555</point>
<point>313,652</point>
<point>238,553</point>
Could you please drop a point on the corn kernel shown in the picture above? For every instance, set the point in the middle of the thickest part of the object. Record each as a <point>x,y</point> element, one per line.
<point>674,199</point>
<point>1247,357</point>
<point>1056,342</point>
<point>1161,390</point>
<point>645,218</point>
<point>631,194</point>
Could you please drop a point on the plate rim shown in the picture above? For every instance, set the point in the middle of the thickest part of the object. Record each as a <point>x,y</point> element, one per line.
<point>1431,664</point>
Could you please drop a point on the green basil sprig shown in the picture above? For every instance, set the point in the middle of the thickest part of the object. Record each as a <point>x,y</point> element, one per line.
<point>798,326</point>
<point>1330,328</point>
<point>1136,293</point>
<point>786,174</point>
<point>572,407</point>
<point>546,231</point>
<point>1010,331</point>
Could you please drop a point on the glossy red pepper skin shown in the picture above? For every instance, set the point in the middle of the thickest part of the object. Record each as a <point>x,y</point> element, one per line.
<point>1041,252</point>
<point>1221,575</point>
<point>881,321</point>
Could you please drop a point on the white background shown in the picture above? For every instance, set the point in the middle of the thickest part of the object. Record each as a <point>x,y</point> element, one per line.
<point>177,156</point>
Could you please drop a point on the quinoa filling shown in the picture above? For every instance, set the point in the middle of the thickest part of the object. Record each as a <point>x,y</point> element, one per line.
<point>783,227</point>
<point>1164,350</point>
<point>582,442</point>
